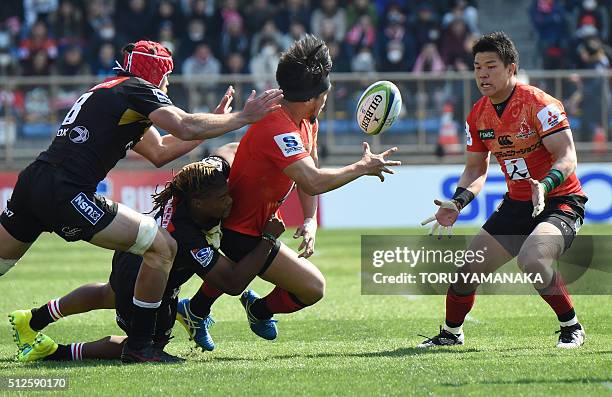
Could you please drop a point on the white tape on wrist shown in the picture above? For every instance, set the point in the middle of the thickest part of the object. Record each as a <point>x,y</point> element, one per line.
<point>146,234</point>
<point>310,225</point>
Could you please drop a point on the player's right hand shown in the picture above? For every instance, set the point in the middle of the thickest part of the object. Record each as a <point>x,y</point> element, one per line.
<point>257,107</point>
<point>275,227</point>
<point>444,218</point>
<point>377,164</point>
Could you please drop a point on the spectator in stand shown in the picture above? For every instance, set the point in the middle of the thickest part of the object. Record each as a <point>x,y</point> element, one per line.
<point>202,63</point>
<point>363,61</point>
<point>429,60</point>
<point>340,62</point>
<point>550,22</point>
<point>233,37</point>
<point>595,56</point>
<point>452,46</point>
<point>361,35</point>
<point>205,11</point>
<point>268,32</point>
<point>39,41</point>
<point>358,8</point>
<point>259,13</point>
<point>263,65</point>
<point>197,33</point>
<point>292,11</point>
<point>169,14</point>
<point>102,66</point>
<point>134,22</point>
<point>297,31</point>
<point>98,14</point>
<point>68,25</point>
<point>38,64</point>
<point>331,13</point>
<point>398,50</point>
<point>462,9</point>
<point>235,64</point>
<point>72,63</point>
<point>166,37</point>
<point>424,26</point>
<point>590,13</point>
<point>38,10</point>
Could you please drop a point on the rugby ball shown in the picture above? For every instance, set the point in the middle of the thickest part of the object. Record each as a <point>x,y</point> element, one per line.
<point>378,107</point>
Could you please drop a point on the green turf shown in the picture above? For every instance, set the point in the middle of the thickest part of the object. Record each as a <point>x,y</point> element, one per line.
<point>347,344</point>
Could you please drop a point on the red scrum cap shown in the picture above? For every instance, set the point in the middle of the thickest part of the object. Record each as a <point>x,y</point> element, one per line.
<point>148,60</point>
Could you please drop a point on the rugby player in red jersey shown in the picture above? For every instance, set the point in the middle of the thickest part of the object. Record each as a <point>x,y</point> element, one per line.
<point>57,192</point>
<point>276,154</point>
<point>528,132</point>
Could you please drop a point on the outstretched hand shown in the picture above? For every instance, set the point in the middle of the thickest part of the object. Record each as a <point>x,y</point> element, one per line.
<point>377,164</point>
<point>538,197</point>
<point>257,107</point>
<point>443,219</point>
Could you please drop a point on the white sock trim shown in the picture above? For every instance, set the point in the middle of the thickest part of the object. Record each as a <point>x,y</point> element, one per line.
<point>569,323</point>
<point>76,350</point>
<point>146,305</point>
<point>456,331</point>
<point>54,309</point>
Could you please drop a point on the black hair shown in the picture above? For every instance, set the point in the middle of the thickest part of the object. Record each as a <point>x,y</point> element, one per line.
<point>499,43</point>
<point>193,180</point>
<point>303,69</point>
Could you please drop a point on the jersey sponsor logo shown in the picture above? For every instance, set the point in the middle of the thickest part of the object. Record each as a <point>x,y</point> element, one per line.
<point>87,208</point>
<point>504,140</point>
<point>202,255</point>
<point>290,143</point>
<point>109,83</point>
<point>486,134</point>
<point>517,152</point>
<point>161,96</point>
<point>525,132</point>
<point>79,134</point>
<point>167,215</point>
<point>62,132</point>
<point>468,136</point>
<point>516,169</point>
<point>550,116</point>
<point>8,212</point>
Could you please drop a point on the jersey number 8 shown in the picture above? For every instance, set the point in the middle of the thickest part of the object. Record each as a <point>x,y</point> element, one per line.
<point>75,109</point>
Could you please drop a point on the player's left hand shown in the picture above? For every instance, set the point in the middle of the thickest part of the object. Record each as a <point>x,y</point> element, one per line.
<point>308,231</point>
<point>538,197</point>
<point>224,106</point>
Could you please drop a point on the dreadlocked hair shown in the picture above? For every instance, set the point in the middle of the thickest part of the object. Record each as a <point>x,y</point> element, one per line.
<point>193,180</point>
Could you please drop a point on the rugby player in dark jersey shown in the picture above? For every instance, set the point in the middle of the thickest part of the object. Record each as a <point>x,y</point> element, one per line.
<point>57,192</point>
<point>190,209</point>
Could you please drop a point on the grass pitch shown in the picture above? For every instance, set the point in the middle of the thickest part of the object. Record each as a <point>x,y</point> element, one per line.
<point>347,344</point>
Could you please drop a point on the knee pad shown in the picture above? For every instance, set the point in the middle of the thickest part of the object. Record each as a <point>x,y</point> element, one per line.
<point>6,265</point>
<point>146,235</point>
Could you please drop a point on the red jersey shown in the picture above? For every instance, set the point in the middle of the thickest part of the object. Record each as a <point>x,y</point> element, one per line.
<point>257,183</point>
<point>515,138</point>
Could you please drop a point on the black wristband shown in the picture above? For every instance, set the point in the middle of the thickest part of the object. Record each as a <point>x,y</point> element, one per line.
<point>462,197</point>
<point>269,237</point>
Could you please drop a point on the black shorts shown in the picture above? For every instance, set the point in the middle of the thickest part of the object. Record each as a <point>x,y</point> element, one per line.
<point>46,199</point>
<point>237,245</point>
<point>122,280</point>
<point>512,223</point>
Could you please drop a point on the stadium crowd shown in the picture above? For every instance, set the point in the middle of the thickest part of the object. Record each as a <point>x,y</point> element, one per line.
<point>68,37</point>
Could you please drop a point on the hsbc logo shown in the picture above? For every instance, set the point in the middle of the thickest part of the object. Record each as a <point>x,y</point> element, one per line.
<point>486,134</point>
<point>504,140</point>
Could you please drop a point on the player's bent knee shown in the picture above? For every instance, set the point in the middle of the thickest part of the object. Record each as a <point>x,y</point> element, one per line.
<point>314,292</point>
<point>147,230</point>
<point>6,265</point>
<point>534,258</point>
<point>161,254</point>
